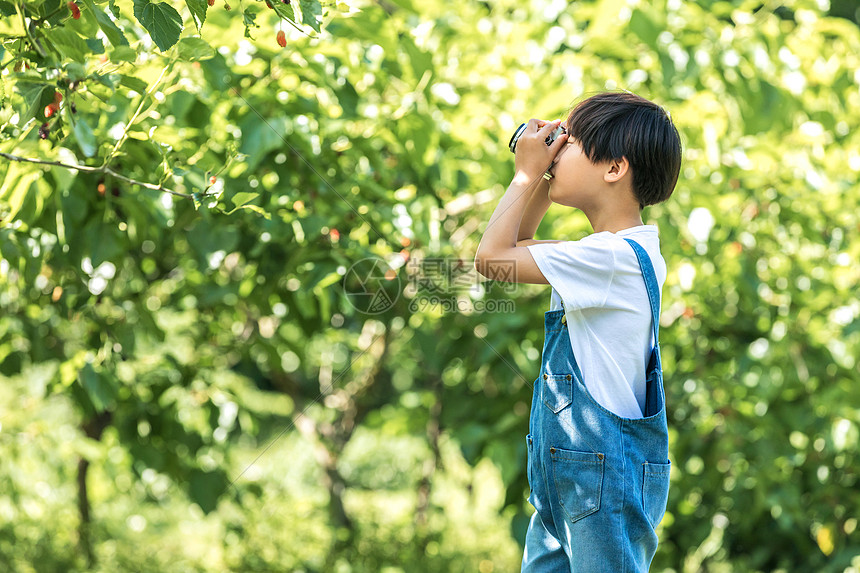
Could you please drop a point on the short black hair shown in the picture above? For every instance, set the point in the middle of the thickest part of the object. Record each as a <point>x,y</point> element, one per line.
<point>613,125</point>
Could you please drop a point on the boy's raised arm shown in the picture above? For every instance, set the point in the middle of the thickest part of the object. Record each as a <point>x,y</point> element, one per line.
<point>499,255</point>
<point>534,213</point>
<point>536,208</point>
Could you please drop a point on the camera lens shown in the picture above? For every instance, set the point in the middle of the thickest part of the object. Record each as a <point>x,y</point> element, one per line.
<point>512,144</point>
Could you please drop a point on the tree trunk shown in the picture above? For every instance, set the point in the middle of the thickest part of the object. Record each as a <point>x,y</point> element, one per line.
<point>329,439</point>
<point>84,542</point>
<point>429,469</point>
<point>93,429</point>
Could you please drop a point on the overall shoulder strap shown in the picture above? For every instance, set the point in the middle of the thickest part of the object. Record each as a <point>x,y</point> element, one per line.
<point>650,284</point>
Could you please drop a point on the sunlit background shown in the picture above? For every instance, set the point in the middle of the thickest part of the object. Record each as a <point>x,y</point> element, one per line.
<point>288,363</point>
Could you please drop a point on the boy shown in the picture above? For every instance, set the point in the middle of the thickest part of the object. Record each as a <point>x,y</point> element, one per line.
<point>598,466</point>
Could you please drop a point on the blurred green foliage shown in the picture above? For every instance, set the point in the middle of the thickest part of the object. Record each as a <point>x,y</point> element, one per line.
<point>191,384</point>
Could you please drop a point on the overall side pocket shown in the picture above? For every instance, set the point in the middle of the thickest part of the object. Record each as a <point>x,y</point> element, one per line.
<point>529,461</point>
<point>578,479</point>
<point>655,491</point>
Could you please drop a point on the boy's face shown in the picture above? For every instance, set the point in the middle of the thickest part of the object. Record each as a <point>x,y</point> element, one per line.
<point>576,180</point>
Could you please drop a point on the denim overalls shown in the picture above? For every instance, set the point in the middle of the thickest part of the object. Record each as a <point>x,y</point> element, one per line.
<point>599,482</point>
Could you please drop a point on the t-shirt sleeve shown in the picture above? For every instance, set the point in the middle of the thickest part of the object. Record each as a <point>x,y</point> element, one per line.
<point>580,271</point>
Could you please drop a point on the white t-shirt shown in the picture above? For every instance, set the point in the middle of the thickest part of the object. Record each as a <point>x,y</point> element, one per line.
<point>608,314</point>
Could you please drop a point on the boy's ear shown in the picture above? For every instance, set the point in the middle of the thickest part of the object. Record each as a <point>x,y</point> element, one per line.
<point>618,168</point>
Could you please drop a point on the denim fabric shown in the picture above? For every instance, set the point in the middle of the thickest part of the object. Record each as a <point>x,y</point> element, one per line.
<point>599,482</point>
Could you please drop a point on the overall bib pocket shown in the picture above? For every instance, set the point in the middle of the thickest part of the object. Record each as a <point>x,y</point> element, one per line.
<point>556,391</point>
<point>655,491</point>
<point>578,479</point>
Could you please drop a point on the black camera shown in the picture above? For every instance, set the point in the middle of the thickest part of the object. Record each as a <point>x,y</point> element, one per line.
<point>512,144</point>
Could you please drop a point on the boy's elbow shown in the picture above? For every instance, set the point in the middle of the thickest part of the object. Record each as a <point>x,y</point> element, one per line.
<point>483,260</point>
<point>480,265</point>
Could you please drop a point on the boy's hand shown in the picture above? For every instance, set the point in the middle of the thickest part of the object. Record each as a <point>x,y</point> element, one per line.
<point>533,157</point>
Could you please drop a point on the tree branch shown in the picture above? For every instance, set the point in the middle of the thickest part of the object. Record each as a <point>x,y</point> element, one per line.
<point>102,169</point>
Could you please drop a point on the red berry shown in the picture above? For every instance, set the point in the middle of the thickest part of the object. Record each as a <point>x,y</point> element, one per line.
<point>58,97</point>
<point>282,39</point>
<point>49,110</point>
<point>211,2</point>
<point>76,12</point>
<point>212,180</point>
<point>44,130</point>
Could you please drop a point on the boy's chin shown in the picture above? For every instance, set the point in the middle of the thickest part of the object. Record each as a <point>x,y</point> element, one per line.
<point>556,194</point>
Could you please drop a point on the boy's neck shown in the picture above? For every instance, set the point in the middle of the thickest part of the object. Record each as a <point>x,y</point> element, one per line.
<point>612,220</point>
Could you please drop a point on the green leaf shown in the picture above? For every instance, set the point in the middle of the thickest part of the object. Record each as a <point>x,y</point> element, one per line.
<point>108,80</point>
<point>87,25</point>
<point>504,456</point>
<point>85,137</point>
<point>256,209</point>
<point>421,61</point>
<point>111,30</point>
<point>249,17</point>
<point>310,10</point>
<point>644,27</point>
<point>75,71</point>
<point>69,44</point>
<point>134,83</point>
<point>6,8</point>
<point>161,20</point>
<point>243,198</point>
<point>407,4</point>
<point>40,96</point>
<point>198,11</point>
<point>205,488</point>
<point>123,54</point>
<point>260,137</point>
<point>105,243</point>
<point>99,391</point>
<point>95,45</point>
<point>191,49</point>
<point>347,97</point>
<point>284,10</point>
<point>18,184</point>
<point>206,238</point>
